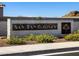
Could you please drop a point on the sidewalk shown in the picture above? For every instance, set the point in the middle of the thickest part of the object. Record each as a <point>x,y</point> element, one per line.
<point>37,47</point>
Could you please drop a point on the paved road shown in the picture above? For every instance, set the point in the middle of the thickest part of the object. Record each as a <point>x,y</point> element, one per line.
<point>67,54</point>
<point>40,49</point>
<point>51,52</point>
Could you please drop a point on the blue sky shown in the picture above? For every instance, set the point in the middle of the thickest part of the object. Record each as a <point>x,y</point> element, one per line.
<point>43,9</point>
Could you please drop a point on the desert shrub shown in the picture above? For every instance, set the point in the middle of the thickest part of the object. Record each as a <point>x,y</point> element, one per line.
<point>76,32</point>
<point>30,37</point>
<point>41,38</point>
<point>45,38</point>
<point>16,40</point>
<point>72,37</point>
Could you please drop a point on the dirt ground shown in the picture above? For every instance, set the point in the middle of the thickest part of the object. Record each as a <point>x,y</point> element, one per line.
<point>3,43</point>
<point>60,40</point>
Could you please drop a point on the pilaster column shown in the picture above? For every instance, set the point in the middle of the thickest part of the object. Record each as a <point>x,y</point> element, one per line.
<point>8,28</point>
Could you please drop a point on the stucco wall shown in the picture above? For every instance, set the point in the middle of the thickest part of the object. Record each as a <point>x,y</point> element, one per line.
<point>76,25</point>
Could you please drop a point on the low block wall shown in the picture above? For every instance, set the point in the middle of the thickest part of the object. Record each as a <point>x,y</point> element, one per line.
<point>56,32</point>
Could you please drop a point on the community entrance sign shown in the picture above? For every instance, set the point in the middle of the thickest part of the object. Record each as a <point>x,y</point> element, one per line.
<point>36,26</point>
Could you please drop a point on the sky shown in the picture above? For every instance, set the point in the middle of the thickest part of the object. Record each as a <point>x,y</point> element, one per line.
<point>39,9</point>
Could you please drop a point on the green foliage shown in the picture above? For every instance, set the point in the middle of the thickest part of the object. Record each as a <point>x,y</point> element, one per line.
<point>45,38</point>
<point>30,37</point>
<point>16,40</point>
<point>72,37</point>
<point>41,38</point>
<point>76,32</point>
<point>38,18</point>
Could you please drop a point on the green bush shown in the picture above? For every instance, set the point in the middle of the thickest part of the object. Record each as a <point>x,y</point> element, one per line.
<point>41,38</point>
<point>16,40</point>
<point>45,38</point>
<point>72,37</point>
<point>30,37</point>
<point>76,32</point>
